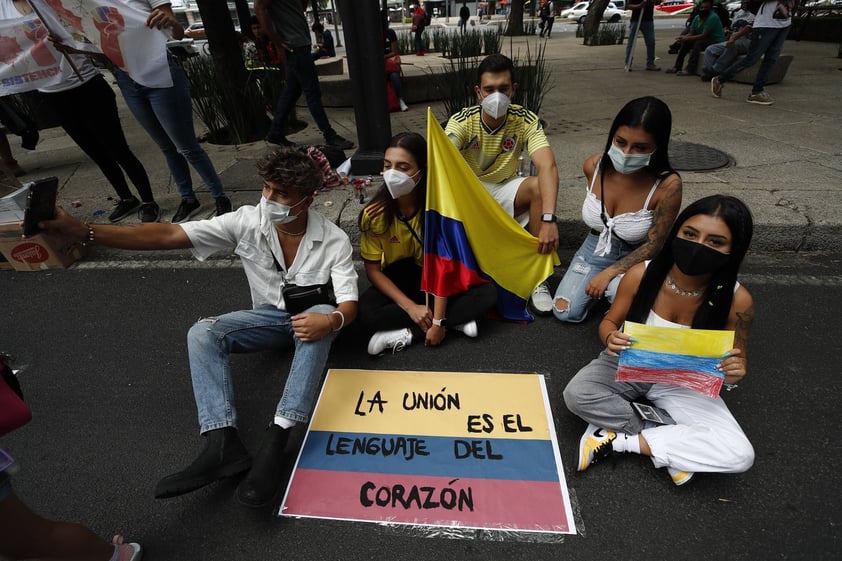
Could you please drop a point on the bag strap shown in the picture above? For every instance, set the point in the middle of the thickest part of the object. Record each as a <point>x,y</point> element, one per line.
<point>415,235</point>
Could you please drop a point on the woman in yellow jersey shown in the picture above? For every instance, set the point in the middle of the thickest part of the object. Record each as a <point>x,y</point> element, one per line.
<point>392,248</point>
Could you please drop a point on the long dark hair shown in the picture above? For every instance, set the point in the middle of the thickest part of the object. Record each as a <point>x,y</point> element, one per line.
<point>415,144</point>
<point>716,305</point>
<point>652,115</point>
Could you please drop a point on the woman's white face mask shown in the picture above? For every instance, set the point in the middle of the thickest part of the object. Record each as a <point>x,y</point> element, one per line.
<point>398,183</point>
<point>496,104</point>
<point>278,213</point>
<point>627,163</point>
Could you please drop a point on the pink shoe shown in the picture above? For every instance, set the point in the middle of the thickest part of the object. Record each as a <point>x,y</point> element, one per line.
<point>125,551</point>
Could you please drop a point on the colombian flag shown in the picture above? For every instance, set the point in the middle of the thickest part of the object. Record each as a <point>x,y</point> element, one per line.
<point>469,239</point>
<point>680,357</point>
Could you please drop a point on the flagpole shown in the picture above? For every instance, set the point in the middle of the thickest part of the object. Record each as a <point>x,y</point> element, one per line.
<point>67,56</point>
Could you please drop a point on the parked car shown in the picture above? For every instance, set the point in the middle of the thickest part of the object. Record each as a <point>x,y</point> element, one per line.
<point>196,31</point>
<point>672,6</point>
<point>580,11</point>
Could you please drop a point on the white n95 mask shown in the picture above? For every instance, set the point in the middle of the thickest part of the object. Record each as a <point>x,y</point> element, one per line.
<point>398,183</point>
<point>496,104</point>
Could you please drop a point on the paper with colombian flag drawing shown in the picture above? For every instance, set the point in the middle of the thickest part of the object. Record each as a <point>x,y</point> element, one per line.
<point>679,357</point>
<point>454,449</point>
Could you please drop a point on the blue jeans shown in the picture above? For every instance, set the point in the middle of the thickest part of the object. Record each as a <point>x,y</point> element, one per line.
<point>647,29</point>
<point>301,76</point>
<point>718,57</point>
<point>395,78</point>
<point>211,340</point>
<point>167,116</point>
<point>583,267</point>
<point>765,42</point>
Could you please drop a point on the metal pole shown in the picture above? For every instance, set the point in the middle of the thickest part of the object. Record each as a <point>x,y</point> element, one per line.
<point>335,25</point>
<point>364,46</point>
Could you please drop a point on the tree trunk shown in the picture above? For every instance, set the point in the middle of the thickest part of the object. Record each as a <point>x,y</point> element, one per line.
<point>515,27</point>
<point>244,15</point>
<point>591,27</point>
<point>231,73</point>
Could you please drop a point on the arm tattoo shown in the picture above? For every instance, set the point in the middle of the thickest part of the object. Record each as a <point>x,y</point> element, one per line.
<point>744,320</point>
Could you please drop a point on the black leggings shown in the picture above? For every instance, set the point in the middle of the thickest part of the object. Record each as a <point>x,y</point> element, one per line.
<point>379,313</point>
<point>88,114</point>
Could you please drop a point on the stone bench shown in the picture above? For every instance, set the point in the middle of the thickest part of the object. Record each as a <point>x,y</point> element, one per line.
<point>330,66</point>
<point>747,75</point>
<point>778,71</point>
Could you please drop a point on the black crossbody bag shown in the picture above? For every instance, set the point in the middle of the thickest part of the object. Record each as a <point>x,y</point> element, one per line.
<point>298,299</point>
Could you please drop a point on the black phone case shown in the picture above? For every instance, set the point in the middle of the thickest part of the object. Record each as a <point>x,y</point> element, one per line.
<point>40,204</point>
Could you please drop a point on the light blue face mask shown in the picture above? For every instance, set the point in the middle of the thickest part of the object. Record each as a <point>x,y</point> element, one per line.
<point>627,163</point>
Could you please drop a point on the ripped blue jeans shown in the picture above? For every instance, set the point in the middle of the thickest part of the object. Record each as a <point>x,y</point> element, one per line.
<point>211,340</point>
<point>583,267</point>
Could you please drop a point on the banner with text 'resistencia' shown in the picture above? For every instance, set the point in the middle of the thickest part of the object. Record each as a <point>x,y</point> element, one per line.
<point>114,28</point>
<point>452,449</point>
<point>28,60</point>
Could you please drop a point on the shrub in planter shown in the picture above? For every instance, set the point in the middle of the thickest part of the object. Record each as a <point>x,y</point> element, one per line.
<point>606,34</point>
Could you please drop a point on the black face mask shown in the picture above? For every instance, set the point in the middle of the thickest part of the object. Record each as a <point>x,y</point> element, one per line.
<point>693,258</point>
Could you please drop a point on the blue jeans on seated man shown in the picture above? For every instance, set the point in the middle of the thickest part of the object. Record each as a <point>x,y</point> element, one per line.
<point>583,267</point>
<point>718,57</point>
<point>167,116</point>
<point>211,340</point>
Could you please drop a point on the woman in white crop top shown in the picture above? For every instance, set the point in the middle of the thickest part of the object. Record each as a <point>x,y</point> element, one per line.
<point>692,282</point>
<point>630,204</point>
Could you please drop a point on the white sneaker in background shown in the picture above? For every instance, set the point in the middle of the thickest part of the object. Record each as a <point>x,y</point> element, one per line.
<point>396,340</point>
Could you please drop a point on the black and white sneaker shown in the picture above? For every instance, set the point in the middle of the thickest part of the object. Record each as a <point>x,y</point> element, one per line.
<point>185,210</point>
<point>149,212</point>
<point>123,208</point>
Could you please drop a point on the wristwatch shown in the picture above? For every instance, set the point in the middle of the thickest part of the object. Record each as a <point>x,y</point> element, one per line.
<point>440,322</point>
<point>548,217</point>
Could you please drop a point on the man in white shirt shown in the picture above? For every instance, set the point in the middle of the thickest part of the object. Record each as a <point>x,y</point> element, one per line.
<point>281,242</point>
<point>771,26</point>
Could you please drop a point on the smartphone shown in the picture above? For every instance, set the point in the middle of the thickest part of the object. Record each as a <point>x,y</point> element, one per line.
<point>40,204</point>
<point>653,414</point>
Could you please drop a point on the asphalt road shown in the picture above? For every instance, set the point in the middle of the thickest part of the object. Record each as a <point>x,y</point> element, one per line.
<point>108,382</point>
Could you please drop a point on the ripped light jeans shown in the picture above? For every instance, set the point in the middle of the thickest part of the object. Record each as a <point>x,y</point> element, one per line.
<point>211,340</point>
<point>583,267</point>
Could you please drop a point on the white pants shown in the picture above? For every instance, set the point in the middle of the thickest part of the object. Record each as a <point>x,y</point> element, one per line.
<point>505,193</point>
<point>705,438</point>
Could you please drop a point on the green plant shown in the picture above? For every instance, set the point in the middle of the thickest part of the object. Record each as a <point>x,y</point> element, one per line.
<point>406,42</point>
<point>492,39</point>
<point>606,34</point>
<point>226,109</point>
<point>468,44</point>
<point>455,84</point>
<point>534,77</point>
<point>440,40</point>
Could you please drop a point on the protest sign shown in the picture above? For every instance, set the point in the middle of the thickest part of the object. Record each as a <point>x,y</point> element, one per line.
<point>28,60</point>
<point>467,450</point>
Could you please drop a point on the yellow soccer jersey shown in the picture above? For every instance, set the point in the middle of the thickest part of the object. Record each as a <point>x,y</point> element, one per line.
<point>492,154</point>
<point>389,245</point>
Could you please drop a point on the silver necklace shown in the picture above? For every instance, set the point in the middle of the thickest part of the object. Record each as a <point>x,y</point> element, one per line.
<point>680,291</point>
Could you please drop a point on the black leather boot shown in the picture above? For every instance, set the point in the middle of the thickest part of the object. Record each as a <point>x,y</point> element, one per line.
<point>261,485</point>
<point>224,455</point>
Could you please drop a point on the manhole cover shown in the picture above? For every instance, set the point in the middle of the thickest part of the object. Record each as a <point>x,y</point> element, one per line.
<point>686,156</point>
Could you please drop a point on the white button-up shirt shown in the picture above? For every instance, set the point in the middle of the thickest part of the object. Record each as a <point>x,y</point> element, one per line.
<point>324,254</point>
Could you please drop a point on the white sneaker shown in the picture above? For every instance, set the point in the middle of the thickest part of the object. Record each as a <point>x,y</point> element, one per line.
<point>680,477</point>
<point>403,105</point>
<point>469,329</point>
<point>396,340</point>
<point>542,301</point>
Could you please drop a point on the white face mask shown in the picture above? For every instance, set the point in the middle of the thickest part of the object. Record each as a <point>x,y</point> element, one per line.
<point>627,163</point>
<point>495,105</point>
<point>278,213</point>
<point>398,183</point>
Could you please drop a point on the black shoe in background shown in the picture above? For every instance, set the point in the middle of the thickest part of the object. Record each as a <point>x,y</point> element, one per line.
<point>185,210</point>
<point>123,208</point>
<point>223,205</point>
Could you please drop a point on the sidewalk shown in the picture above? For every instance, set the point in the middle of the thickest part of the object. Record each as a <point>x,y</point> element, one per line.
<point>787,157</point>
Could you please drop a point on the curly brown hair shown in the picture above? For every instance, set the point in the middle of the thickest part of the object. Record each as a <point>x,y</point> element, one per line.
<point>292,169</point>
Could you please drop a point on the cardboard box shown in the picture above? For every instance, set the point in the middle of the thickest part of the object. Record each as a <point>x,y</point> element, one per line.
<point>36,253</point>
<point>13,205</point>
